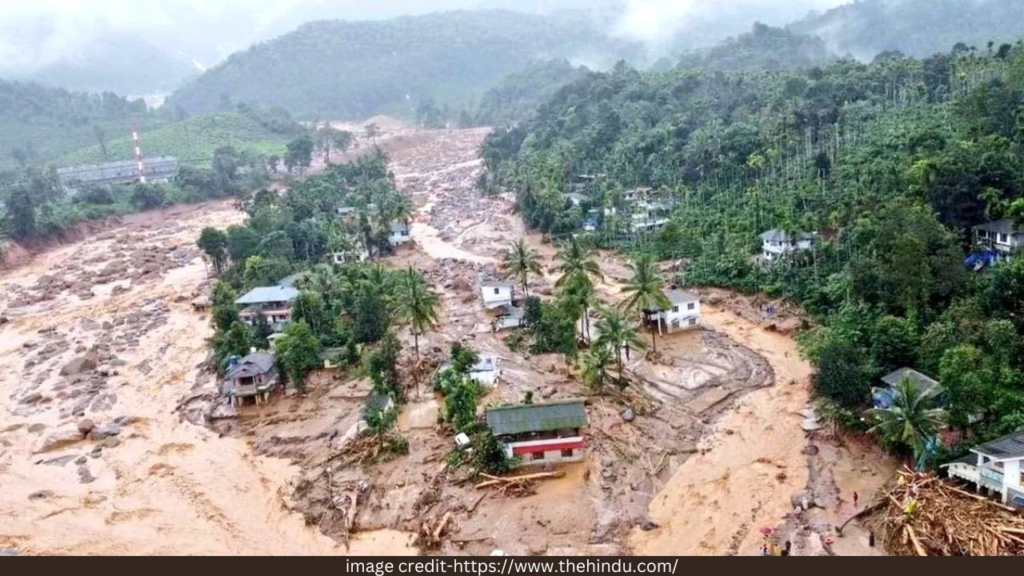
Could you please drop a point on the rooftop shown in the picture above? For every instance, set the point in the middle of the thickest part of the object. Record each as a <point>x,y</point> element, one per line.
<point>253,365</point>
<point>1004,226</point>
<point>496,284</point>
<point>512,311</point>
<point>537,417</point>
<point>267,295</point>
<point>920,381</point>
<point>777,235</point>
<point>681,297</point>
<point>1006,448</point>
<point>485,364</point>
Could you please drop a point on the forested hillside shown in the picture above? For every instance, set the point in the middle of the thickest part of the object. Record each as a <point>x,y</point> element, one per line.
<point>38,123</point>
<point>344,69</point>
<point>915,27</point>
<point>763,48</point>
<point>888,165</point>
<point>518,96</point>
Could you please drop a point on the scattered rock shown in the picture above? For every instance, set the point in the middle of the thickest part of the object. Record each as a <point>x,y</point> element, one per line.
<point>33,398</point>
<point>36,428</point>
<point>78,365</point>
<point>811,451</point>
<point>628,415</point>
<point>101,433</point>
<point>801,500</point>
<point>41,495</point>
<point>86,426</point>
<point>60,438</point>
<point>110,443</point>
<point>648,526</point>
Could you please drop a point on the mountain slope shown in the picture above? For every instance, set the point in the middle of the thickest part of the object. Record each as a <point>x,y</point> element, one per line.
<point>916,27</point>
<point>121,63</point>
<point>356,69</point>
<point>763,48</point>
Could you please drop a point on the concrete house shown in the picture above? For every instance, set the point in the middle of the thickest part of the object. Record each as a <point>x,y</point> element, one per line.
<point>776,243</point>
<point>683,315</point>
<point>1003,236</point>
<point>399,233</point>
<point>996,468</point>
<point>649,216</point>
<point>254,376</point>
<point>347,213</point>
<point>342,257</point>
<point>548,433</point>
<point>509,318</point>
<point>634,194</point>
<point>486,372</point>
<point>271,302</point>
<point>497,294</point>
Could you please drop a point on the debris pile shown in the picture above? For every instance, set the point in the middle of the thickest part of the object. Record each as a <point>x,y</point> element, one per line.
<point>923,515</point>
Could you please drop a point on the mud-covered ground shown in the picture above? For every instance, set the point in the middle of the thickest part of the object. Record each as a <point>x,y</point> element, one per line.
<point>108,446</point>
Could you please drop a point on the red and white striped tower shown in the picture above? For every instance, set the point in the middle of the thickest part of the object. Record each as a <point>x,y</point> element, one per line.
<point>138,154</point>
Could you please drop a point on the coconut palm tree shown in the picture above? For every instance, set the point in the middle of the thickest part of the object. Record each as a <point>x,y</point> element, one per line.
<point>912,420</point>
<point>418,305</point>
<point>520,261</point>
<point>645,291</point>
<point>577,260</point>
<point>617,332</point>
<point>595,365</point>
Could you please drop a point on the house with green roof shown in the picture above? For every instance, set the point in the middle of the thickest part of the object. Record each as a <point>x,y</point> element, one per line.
<point>549,433</point>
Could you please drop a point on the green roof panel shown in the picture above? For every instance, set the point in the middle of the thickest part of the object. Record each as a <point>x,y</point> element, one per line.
<point>537,417</point>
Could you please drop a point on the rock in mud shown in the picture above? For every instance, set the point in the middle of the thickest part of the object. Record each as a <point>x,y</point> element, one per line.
<point>4,320</point>
<point>8,552</point>
<point>628,415</point>
<point>33,398</point>
<point>60,438</point>
<point>801,500</point>
<point>649,526</point>
<point>86,426</point>
<point>36,428</point>
<point>101,433</point>
<point>78,365</point>
<point>811,451</point>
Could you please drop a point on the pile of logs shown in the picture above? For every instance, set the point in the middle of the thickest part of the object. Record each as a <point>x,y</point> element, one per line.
<point>923,515</point>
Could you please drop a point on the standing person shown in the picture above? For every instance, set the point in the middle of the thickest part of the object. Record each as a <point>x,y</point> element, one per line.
<point>856,498</point>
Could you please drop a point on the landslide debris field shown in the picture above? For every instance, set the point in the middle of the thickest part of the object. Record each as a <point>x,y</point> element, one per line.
<point>114,441</point>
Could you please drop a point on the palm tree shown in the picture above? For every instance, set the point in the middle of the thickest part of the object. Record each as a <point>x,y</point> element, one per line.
<point>520,261</point>
<point>912,419</point>
<point>595,367</point>
<point>418,305</point>
<point>646,291</point>
<point>618,332</point>
<point>578,266</point>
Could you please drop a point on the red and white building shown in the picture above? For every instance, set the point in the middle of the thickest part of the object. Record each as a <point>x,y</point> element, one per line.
<point>537,434</point>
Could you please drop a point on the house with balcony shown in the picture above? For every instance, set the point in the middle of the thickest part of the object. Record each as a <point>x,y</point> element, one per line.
<point>497,294</point>
<point>509,318</point>
<point>538,434</point>
<point>254,376</point>
<point>776,244</point>
<point>1002,236</point>
<point>274,303</point>
<point>683,314</point>
<point>995,468</point>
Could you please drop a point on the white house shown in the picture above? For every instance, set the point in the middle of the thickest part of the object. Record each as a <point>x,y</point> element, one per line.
<point>347,213</point>
<point>683,315</point>
<point>343,257</point>
<point>485,372</point>
<point>777,243</point>
<point>575,198</point>
<point>539,434</point>
<point>497,294</point>
<point>1002,236</point>
<point>509,318</point>
<point>996,468</point>
<point>634,194</point>
<point>398,233</point>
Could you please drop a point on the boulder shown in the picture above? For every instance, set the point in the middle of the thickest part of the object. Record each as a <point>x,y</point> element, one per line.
<point>101,433</point>
<point>628,415</point>
<point>801,500</point>
<point>78,365</point>
<point>86,426</point>
<point>33,398</point>
<point>61,438</point>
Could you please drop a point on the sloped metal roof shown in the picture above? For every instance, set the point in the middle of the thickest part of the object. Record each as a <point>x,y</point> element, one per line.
<point>253,365</point>
<point>1004,226</point>
<point>268,294</point>
<point>1005,448</point>
<point>920,381</point>
<point>551,416</point>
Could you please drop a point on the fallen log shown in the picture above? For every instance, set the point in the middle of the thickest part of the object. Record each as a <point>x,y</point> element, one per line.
<point>496,481</point>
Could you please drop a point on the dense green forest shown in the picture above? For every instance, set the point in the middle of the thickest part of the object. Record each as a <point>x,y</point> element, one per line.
<point>341,69</point>
<point>888,164</point>
<point>519,94</point>
<point>915,27</point>
<point>763,48</point>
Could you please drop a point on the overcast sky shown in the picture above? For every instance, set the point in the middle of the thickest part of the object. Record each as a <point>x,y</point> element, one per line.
<point>37,32</point>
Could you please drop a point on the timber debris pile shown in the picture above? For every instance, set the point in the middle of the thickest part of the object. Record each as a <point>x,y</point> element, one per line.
<point>923,515</point>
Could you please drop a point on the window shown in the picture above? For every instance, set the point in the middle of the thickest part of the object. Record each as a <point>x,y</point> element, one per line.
<point>693,321</point>
<point>538,456</point>
<point>497,291</point>
<point>1004,239</point>
<point>567,453</point>
<point>675,309</point>
<point>691,306</point>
